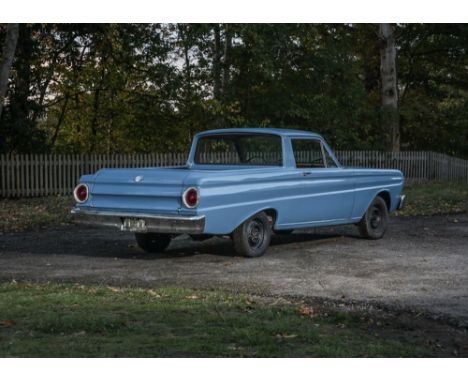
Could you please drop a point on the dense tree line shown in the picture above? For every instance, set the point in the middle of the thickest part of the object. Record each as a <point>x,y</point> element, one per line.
<point>124,88</point>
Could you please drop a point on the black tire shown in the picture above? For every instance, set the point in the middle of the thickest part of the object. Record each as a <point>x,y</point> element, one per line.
<point>153,242</point>
<point>252,238</point>
<point>374,223</point>
<point>283,232</point>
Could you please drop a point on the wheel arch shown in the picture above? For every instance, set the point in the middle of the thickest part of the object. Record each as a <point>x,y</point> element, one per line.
<point>385,195</point>
<point>271,212</point>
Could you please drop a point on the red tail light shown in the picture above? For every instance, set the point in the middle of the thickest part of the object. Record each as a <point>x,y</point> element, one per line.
<point>81,193</point>
<point>191,197</point>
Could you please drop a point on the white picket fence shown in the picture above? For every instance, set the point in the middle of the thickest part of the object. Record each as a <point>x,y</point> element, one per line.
<point>49,174</point>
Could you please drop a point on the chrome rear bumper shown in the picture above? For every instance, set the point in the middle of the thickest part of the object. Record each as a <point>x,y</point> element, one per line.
<point>140,222</point>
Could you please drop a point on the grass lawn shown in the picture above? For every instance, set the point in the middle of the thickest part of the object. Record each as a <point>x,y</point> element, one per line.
<point>435,198</point>
<point>33,213</point>
<point>46,320</point>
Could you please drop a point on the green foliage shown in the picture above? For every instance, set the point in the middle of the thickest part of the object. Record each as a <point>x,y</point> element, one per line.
<point>128,88</point>
<point>434,80</point>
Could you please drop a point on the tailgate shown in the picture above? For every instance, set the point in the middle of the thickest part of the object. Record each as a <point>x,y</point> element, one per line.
<point>155,190</point>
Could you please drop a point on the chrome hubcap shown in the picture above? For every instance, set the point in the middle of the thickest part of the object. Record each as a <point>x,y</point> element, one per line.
<point>375,218</point>
<point>255,233</point>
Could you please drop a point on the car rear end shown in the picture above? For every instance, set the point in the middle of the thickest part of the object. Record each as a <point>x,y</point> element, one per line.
<point>139,200</point>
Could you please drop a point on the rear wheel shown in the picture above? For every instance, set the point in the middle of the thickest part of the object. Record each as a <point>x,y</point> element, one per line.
<point>375,221</point>
<point>252,238</point>
<point>153,242</point>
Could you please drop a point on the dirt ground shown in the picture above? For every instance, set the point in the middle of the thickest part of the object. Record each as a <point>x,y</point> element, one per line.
<point>420,266</point>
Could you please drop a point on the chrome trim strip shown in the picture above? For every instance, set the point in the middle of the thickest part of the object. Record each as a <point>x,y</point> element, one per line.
<point>91,211</point>
<point>153,223</point>
<point>401,202</point>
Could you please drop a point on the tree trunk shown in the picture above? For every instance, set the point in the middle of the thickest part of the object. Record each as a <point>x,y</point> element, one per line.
<point>97,105</point>
<point>77,66</point>
<point>9,47</point>
<point>217,63</point>
<point>94,120</point>
<point>42,93</point>
<point>226,59</point>
<point>184,36</point>
<point>60,120</point>
<point>390,121</point>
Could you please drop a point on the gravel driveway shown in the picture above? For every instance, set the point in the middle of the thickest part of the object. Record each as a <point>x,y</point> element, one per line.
<point>421,264</point>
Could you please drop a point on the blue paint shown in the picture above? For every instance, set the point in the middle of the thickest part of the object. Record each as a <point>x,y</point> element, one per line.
<point>230,194</point>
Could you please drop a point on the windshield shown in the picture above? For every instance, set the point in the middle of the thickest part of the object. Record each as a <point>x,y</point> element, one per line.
<point>240,149</point>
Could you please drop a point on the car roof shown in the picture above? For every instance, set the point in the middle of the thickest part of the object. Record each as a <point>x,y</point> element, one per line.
<point>261,130</point>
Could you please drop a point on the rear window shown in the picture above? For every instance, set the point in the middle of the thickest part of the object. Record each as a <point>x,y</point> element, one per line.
<point>240,149</point>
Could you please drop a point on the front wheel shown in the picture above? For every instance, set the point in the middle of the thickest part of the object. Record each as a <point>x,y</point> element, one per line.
<point>375,221</point>
<point>252,238</point>
<point>153,242</point>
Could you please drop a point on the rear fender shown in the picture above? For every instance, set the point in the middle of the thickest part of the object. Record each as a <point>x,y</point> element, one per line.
<point>236,218</point>
<point>268,210</point>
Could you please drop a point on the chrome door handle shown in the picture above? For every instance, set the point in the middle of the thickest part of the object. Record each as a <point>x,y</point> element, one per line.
<point>306,173</point>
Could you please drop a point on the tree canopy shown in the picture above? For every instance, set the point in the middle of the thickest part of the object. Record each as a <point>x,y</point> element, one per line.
<point>125,88</point>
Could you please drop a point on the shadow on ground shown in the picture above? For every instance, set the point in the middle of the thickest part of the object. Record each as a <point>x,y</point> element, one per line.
<point>74,240</point>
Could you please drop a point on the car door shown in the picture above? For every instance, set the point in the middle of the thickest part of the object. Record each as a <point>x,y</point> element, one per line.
<point>322,192</point>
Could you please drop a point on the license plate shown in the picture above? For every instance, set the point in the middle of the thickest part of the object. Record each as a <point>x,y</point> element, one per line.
<point>132,224</point>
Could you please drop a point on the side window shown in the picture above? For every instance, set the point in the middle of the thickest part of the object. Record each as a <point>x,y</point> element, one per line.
<point>308,153</point>
<point>328,158</point>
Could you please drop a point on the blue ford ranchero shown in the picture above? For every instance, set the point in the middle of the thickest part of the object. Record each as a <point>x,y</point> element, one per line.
<point>246,183</point>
